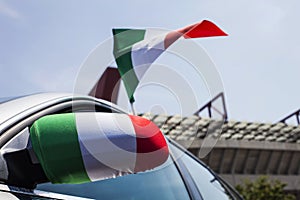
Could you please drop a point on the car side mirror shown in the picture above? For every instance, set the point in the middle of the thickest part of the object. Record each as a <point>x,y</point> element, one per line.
<point>84,147</point>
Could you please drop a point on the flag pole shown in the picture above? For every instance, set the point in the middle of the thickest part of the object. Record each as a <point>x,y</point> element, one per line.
<point>132,108</point>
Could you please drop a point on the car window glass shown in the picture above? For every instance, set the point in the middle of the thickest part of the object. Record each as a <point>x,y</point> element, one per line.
<point>208,185</point>
<point>162,183</point>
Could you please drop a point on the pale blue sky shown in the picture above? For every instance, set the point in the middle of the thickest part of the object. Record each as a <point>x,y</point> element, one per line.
<point>43,44</point>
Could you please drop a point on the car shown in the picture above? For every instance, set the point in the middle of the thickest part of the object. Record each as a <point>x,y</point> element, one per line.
<point>26,170</point>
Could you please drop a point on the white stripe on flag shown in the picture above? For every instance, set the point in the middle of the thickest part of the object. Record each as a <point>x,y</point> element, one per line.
<point>145,52</point>
<point>153,32</point>
<point>106,143</point>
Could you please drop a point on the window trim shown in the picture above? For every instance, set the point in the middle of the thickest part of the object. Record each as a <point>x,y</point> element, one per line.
<point>186,177</point>
<point>216,176</point>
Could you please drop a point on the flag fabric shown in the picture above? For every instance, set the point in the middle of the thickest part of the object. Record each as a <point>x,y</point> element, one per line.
<point>85,147</point>
<point>136,49</point>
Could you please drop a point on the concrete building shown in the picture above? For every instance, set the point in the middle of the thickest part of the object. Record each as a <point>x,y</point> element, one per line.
<point>238,150</point>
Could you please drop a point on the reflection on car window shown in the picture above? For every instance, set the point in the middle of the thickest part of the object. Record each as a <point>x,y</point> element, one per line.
<point>209,186</point>
<point>162,183</point>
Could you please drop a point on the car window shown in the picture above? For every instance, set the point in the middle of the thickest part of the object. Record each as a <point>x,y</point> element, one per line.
<point>208,185</point>
<point>162,183</point>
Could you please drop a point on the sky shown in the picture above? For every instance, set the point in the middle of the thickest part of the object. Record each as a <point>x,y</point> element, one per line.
<point>43,45</point>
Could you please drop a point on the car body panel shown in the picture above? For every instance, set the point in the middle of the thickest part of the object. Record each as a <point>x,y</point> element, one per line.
<point>12,193</point>
<point>20,107</point>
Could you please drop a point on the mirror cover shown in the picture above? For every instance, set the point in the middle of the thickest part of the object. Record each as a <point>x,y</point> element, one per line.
<point>84,147</point>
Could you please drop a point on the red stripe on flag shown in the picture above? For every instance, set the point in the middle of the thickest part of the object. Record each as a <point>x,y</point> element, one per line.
<point>202,29</point>
<point>152,149</point>
<point>148,136</point>
<point>199,30</point>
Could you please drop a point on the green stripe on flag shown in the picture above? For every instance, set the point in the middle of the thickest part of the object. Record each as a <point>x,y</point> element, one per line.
<point>124,39</point>
<point>127,74</point>
<point>55,141</point>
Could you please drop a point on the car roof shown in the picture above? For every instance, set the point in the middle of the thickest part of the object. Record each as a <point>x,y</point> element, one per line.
<point>10,109</point>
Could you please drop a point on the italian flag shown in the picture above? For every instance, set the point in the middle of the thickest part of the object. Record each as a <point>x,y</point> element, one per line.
<point>85,147</point>
<point>136,49</point>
